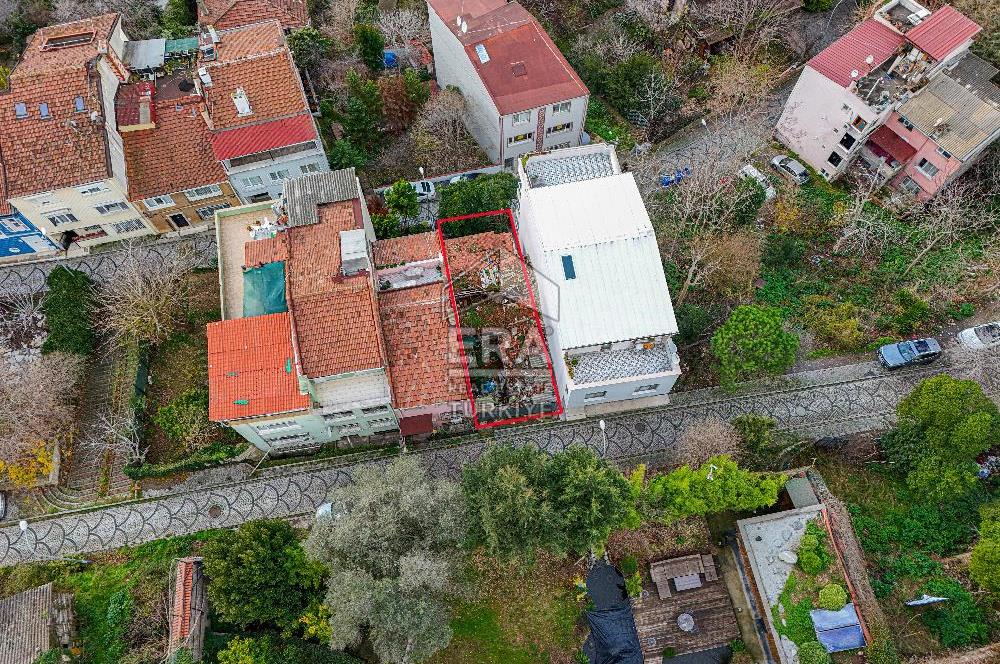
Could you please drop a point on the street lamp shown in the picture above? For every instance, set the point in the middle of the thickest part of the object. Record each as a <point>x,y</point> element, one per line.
<point>603,427</point>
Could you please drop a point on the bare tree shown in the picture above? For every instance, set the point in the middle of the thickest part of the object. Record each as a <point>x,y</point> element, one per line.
<point>338,20</point>
<point>140,18</point>
<point>403,26</point>
<point>117,433</point>
<point>20,315</point>
<point>613,45</point>
<point>439,134</point>
<point>736,85</point>
<point>144,301</point>
<point>657,14</point>
<point>705,438</point>
<point>866,228</point>
<point>659,103</point>
<point>755,23</point>
<point>36,403</point>
<point>7,8</point>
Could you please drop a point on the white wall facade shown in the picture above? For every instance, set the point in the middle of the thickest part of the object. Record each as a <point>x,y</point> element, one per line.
<point>540,123</point>
<point>358,403</point>
<point>263,179</point>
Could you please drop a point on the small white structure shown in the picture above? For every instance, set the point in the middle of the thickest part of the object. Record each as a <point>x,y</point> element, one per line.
<point>603,295</point>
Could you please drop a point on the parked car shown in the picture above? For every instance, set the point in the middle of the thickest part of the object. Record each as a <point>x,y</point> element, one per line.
<point>790,168</point>
<point>462,177</point>
<point>909,353</point>
<point>749,171</point>
<point>980,337</point>
<point>425,190</point>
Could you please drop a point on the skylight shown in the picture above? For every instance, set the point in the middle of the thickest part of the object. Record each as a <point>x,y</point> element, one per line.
<point>69,40</point>
<point>484,57</point>
<point>568,268</point>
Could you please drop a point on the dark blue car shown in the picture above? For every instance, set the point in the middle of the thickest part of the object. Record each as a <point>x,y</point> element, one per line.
<point>909,353</point>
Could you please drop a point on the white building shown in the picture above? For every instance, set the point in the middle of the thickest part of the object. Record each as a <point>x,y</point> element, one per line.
<point>522,94</point>
<point>603,294</point>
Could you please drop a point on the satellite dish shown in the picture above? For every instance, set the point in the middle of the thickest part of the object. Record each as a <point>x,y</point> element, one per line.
<point>870,59</point>
<point>458,20</point>
<point>854,73</point>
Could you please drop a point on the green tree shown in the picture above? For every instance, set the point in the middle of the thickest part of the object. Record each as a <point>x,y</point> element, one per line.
<point>371,45</point>
<point>418,90</point>
<point>260,575</point>
<point>387,225</point>
<point>958,622</point>
<point>248,650</point>
<point>484,194</point>
<point>344,154</point>
<point>832,597</point>
<point>510,515</point>
<point>393,557</point>
<point>362,120</point>
<point>817,5</point>
<point>984,566</point>
<point>68,306</point>
<point>944,423</point>
<point>401,199</point>
<point>178,17</point>
<point>753,342</point>
<point>813,652</point>
<point>309,47</point>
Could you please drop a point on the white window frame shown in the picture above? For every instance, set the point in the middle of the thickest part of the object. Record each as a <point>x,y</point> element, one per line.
<point>944,153</point>
<point>595,396</point>
<point>924,161</point>
<point>158,202</point>
<point>646,389</point>
<point>276,176</point>
<point>910,186</point>
<point>44,112</point>
<point>271,428</point>
<point>20,110</point>
<point>521,117</point>
<point>112,207</point>
<point>311,167</point>
<point>91,189</point>
<point>562,107</point>
<point>129,226</point>
<point>199,193</point>
<point>208,212</point>
<point>521,138</point>
<point>248,182</point>
<point>64,216</point>
<point>559,128</point>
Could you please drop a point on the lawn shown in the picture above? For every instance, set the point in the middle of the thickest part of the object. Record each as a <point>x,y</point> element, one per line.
<point>514,616</point>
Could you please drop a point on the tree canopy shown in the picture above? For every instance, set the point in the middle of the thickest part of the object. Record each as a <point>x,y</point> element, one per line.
<point>484,194</point>
<point>401,199</point>
<point>753,341</point>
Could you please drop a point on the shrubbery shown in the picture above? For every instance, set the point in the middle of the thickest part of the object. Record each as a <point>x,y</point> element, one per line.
<point>832,597</point>
<point>753,342</point>
<point>813,652</point>
<point>185,419</point>
<point>958,622</point>
<point>68,306</point>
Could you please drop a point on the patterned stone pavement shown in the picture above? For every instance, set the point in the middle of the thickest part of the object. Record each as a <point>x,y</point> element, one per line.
<point>820,403</point>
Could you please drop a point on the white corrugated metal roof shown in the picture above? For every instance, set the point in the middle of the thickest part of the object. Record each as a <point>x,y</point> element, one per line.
<point>619,291</point>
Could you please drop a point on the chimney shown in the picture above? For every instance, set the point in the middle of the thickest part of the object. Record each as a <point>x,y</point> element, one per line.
<point>353,252</point>
<point>206,78</point>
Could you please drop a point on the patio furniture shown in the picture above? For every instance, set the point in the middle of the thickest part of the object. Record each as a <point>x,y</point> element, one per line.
<point>685,622</point>
<point>687,582</point>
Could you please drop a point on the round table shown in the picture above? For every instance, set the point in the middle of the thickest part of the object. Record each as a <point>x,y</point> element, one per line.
<point>685,622</point>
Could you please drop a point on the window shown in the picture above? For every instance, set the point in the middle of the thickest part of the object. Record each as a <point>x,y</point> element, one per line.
<point>906,123</point>
<point>274,427</point>
<point>129,226</point>
<point>91,232</point>
<point>647,388</point>
<point>278,176</point>
<point>590,396</point>
<point>562,107</point>
<point>521,138</point>
<point>179,220</point>
<point>208,211</point>
<point>944,153</point>
<point>203,192</point>
<point>859,123</point>
<point>555,129</point>
<point>522,118</point>
<point>848,141</point>
<point>606,346</point>
<point>309,168</point>
<point>380,422</point>
<point>253,181</point>
<point>109,208</point>
<point>68,40</point>
<point>927,168</point>
<point>560,146</point>
<point>78,105</point>
<point>339,415</point>
<point>64,217</point>
<point>43,111</point>
<point>835,159</point>
<point>20,109</point>
<point>374,409</point>
<point>910,185</point>
<point>568,268</point>
<point>90,189</point>
<point>267,155</point>
<point>158,202</point>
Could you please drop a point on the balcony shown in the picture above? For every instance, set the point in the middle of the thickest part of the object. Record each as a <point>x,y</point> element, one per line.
<point>626,364</point>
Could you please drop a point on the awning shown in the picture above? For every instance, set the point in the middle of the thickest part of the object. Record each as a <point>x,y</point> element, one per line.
<point>416,424</point>
<point>889,145</point>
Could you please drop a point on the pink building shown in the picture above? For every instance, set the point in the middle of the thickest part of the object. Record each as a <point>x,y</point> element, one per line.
<point>899,96</point>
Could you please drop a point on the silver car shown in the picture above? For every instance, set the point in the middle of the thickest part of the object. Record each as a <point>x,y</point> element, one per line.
<point>790,168</point>
<point>980,337</point>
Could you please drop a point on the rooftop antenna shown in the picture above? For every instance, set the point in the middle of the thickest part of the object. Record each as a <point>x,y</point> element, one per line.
<point>854,73</point>
<point>465,27</point>
<point>870,59</point>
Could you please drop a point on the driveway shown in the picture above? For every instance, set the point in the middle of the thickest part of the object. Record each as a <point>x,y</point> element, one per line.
<point>828,402</point>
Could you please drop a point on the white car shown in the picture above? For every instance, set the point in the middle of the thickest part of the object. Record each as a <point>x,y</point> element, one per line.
<point>749,171</point>
<point>790,168</point>
<point>425,190</point>
<point>980,336</point>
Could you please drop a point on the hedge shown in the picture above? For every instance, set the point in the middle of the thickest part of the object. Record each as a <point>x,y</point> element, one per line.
<point>209,457</point>
<point>68,306</point>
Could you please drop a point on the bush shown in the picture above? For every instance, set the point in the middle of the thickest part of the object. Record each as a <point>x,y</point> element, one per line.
<point>185,419</point>
<point>484,194</point>
<point>914,313</point>
<point>817,5</point>
<point>344,154</point>
<point>783,251</point>
<point>810,563</point>
<point>749,198</point>
<point>371,46</point>
<point>68,306</point>
<point>958,622</point>
<point>809,543</point>
<point>207,457</point>
<point>834,323</point>
<point>629,566</point>
<point>984,567</point>
<point>752,342</point>
<point>692,322</point>
<point>401,199</point>
<point>633,584</point>
<point>832,597</point>
<point>813,652</point>
<point>387,225</point>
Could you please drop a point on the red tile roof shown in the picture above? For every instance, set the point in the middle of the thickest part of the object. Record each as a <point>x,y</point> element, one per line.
<point>263,36</point>
<point>525,68</point>
<point>942,32</point>
<point>224,14</point>
<point>850,52</point>
<point>406,249</point>
<point>252,369</point>
<point>174,156</point>
<point>892,144</point>
<point>268,250</point>
<point>265,136</point>
<point>468,252</point>
<point>424,362</point>
<point>180,625</point>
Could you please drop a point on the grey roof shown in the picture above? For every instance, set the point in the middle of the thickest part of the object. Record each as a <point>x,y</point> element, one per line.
<point>959,108</point>
<point>304,194</point>
<point>145,53</point>
<point>801,492</point>
<point>26,625</point>
<point>546,172</point>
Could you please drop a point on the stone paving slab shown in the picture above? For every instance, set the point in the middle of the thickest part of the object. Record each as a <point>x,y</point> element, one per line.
<point>828,402</point>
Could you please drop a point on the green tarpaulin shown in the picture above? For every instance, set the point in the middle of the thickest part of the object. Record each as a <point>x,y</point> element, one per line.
<point>264,290</point>
<point>180,46</point>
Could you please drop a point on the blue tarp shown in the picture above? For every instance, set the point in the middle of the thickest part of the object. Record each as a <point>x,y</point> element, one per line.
<point>264,290</point>
<point>613,638</point>
<point>838,630</point>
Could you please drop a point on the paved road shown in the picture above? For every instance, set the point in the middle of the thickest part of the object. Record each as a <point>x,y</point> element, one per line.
<point>820,403</point>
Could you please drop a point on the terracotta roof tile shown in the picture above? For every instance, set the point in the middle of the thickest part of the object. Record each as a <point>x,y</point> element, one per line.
<point>265,35</point>
<point>224,14</point>
<point>174,156</point>
<point>424,361</point>
<point>267,250</point>
<point>851,51</point>
<point>337,330</point>
<point>406,249</point>
<point>943,32</point>
<point>251,368</point>
<point>40,57</point>
<point>466,253</point>
<point>265,136</point>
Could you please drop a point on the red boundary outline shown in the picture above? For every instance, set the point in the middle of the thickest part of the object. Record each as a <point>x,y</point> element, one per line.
<point>534,311</point>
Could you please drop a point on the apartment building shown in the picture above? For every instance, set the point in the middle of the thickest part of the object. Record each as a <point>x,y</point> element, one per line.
<point>899,96</point>
<point>522,94</point>
<point>603,295</point>
<point>60,150</point>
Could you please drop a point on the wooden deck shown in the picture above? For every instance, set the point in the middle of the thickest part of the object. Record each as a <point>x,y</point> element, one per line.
<point>656,620</point>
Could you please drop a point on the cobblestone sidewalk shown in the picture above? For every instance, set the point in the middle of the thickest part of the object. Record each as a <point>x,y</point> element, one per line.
<point>821,403</point>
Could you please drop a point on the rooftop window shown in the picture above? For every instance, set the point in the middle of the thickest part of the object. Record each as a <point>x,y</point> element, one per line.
<point>68,40</point>
<point>242,102</point>
<point>484,57</point>
<point>43,110</point>
<point>78,105</point>
<point>568,268</point>
<point>20,109</point>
